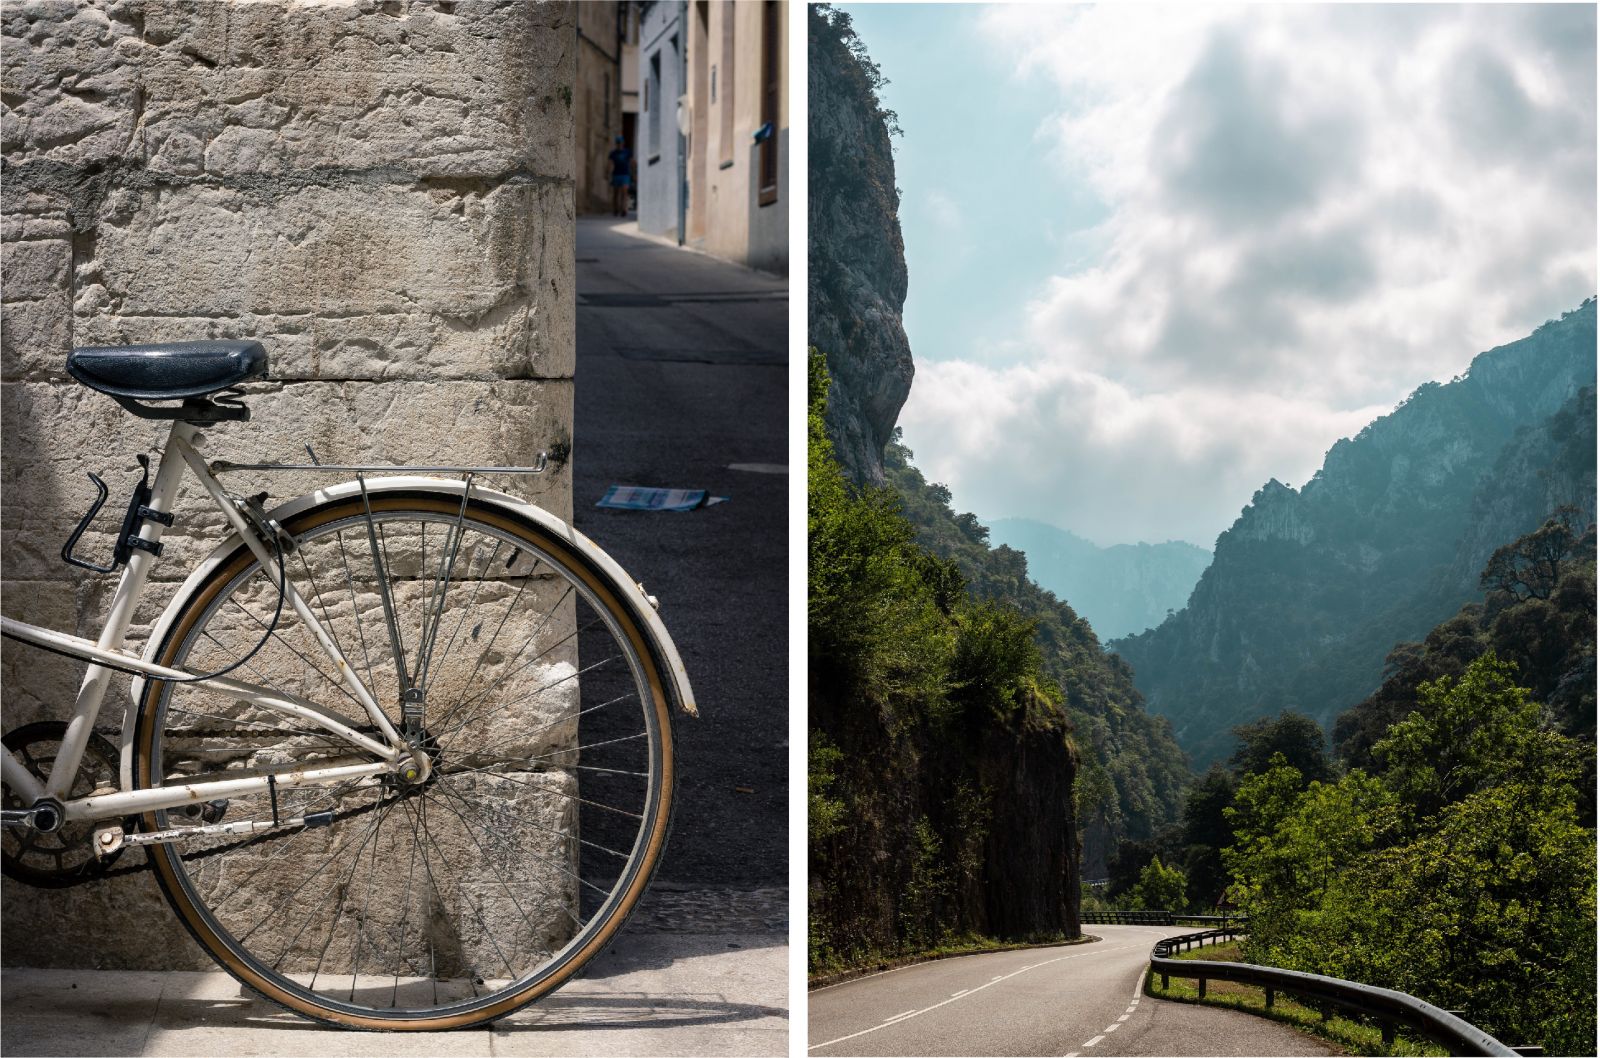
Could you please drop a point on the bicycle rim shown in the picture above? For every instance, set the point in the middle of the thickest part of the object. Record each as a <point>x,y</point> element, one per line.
<point>545,721</point>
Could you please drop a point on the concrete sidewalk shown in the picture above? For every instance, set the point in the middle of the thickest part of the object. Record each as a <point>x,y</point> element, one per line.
<point>652,994</point>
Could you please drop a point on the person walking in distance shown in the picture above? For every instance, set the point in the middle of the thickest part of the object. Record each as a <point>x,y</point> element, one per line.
<point>621,178</point>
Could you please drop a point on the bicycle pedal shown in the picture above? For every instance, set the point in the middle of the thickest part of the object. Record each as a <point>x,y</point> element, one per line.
<point>109,842</point>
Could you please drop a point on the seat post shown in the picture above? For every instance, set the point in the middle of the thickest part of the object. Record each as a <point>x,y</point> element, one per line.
<point>91,693</point>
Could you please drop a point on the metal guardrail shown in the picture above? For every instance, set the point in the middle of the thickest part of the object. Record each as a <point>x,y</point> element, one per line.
<point>1386,1006</point>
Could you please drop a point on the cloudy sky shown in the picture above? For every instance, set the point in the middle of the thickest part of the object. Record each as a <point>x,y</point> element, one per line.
<point>1161,255</point>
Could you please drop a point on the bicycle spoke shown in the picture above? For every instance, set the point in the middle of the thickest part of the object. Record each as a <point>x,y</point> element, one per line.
<point>277,634</point>
<point>510,969</point>
<point>553,793</point>
<point>355,861</point>
<point>355,609</point>
<point>472,602</point>
<point>530,663</point>
<point>541,858</point>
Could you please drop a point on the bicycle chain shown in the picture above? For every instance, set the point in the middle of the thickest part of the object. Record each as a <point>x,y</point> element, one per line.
<point>215,850</point>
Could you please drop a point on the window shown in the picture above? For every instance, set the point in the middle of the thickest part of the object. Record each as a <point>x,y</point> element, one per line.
<point>725,137</point>
<point>652,105</point>
<point>770,72</point>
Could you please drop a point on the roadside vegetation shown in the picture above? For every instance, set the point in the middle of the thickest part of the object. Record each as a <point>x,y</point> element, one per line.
<point>1449,850</point>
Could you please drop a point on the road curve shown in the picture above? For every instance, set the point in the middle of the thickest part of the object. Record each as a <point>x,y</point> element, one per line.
<point>1082,999</point>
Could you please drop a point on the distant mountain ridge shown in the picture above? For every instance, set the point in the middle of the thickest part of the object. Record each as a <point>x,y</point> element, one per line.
<point>1310,589</point>
<point>1120,590</point>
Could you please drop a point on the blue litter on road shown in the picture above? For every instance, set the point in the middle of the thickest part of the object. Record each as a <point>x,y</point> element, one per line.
<point>641,498</point>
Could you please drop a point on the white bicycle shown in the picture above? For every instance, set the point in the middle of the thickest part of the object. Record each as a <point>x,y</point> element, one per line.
<point>399,751</point>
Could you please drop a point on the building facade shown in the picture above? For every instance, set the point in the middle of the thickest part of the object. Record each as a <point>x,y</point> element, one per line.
<point>597,106</point>
<point>714,128</point>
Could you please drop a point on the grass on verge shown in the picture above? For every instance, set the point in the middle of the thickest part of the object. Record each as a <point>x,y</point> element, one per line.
<point>1352,1037</point>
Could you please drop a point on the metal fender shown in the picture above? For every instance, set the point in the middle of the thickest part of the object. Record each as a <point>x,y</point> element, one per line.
<point>632,593</point>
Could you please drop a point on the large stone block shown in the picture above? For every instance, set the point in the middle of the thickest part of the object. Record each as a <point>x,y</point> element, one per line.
<point>191,87</point>
<point>348,282</point>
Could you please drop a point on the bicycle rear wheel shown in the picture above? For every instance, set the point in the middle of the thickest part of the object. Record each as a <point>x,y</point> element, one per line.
<point>544,715</point>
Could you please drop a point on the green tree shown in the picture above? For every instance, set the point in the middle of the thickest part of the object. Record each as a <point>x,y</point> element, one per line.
<point>1206,832</point>
<point>1296,736</point>
<point>1461,875</point>
<point>1529,568</point>
<point>1160,888</point>
<point>1471,734</point>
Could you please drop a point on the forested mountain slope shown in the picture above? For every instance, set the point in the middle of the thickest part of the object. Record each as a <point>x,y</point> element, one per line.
<point>1132,772</point>
<point>1121,590</point>
<point>1310,589</point>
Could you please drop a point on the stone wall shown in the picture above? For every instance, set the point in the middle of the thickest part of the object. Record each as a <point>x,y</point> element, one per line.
<point>380,192</point>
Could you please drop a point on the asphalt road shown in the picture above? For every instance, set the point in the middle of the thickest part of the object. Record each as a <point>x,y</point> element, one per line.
<point>681,382</point>
<point>1079,999</point>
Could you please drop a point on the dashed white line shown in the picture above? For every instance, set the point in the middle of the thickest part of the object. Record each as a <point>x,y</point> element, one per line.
<point>899,1018</point>
<point>1094,1041</point>
<point>1112,1028</point>
<point>1124,1017</point>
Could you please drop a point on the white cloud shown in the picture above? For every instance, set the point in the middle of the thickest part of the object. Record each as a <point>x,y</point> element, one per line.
<point>944,211</point>
<point>1312,210</point>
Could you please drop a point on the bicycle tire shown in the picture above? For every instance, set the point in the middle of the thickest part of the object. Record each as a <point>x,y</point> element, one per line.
<point>570,818</point>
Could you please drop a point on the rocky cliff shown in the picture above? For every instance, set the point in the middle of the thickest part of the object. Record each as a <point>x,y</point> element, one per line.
<point>1120,590</point>
<point>857,258</point>
<point>1310,589</point>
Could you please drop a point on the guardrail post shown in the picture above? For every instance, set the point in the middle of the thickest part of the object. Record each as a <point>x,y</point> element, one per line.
<point>1387,1028</point>
<point>1165,984</point>
<point>1270,998</point>
<point>1202,987</point>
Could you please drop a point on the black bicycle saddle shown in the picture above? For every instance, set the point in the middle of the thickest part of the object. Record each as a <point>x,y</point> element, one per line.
<point>167,370</point>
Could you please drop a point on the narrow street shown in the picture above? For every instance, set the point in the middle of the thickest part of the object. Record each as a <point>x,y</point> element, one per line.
<point>681,383</point>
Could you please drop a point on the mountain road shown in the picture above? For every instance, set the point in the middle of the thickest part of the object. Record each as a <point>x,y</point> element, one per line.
<point>1081,999</point>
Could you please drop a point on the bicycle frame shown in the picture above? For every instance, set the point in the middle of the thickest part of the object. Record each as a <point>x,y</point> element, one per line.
<point>107,651</point>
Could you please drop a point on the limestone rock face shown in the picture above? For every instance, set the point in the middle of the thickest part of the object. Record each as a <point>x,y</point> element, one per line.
<point>379,192</point>
<point>857,282</point>
<point>1311,588</point>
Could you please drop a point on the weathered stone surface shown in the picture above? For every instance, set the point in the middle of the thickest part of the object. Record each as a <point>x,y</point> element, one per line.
<point>189,88</point>
<point>857,282</point>
<point>380,192</point>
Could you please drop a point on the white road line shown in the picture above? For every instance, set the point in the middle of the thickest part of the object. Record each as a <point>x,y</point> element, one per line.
<point>902,1014</point>
<point>1124,1017</point>
<point>1112,1028</point>
<point>1094,1041</point>
<point>958,995</point>
<point>901,1018</point>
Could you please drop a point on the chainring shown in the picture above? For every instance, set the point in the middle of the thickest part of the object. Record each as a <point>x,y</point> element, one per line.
<point>67,856</point>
